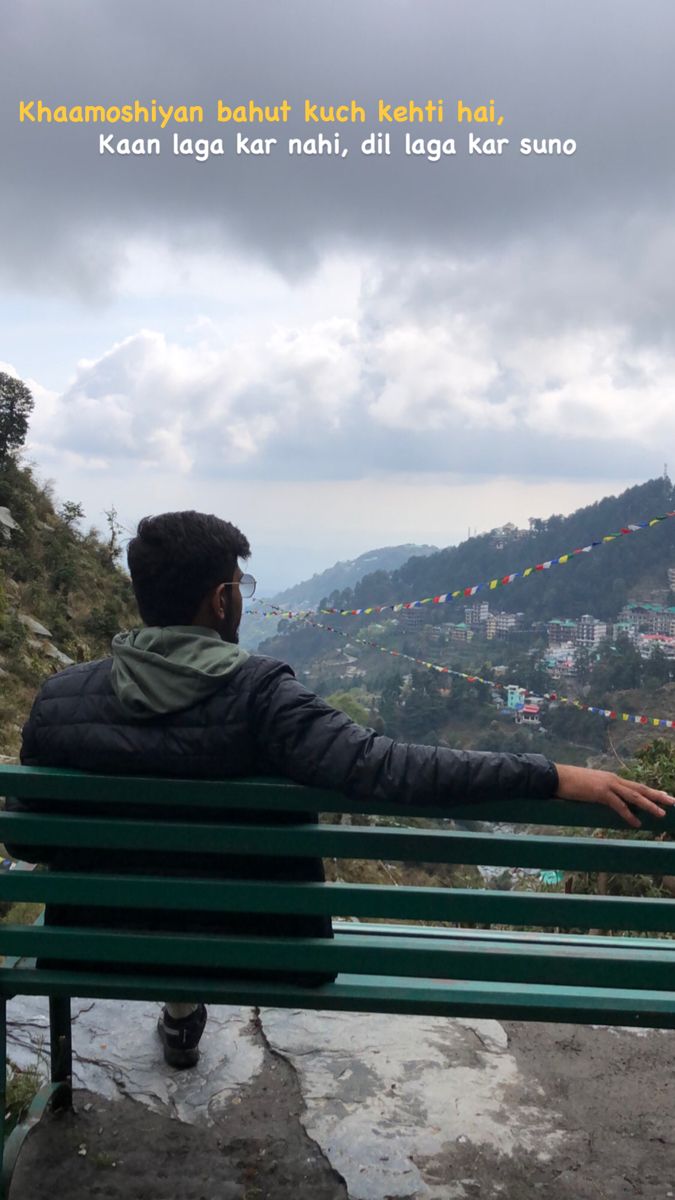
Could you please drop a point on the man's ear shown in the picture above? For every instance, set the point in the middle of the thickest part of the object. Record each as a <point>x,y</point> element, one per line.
<point>218,601</point>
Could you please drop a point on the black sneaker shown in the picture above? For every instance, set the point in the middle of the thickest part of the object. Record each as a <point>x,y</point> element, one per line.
<point>180,1038</point>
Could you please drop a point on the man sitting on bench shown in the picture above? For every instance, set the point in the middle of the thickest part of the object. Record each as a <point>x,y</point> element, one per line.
<point>179,697</point>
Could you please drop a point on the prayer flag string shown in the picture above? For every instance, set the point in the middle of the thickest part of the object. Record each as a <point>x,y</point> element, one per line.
<point>468,592</point>
<point>609,714</point>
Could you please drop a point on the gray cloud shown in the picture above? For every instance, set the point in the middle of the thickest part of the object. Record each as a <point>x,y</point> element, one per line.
<point>516,317</point>
<point>601,74</point>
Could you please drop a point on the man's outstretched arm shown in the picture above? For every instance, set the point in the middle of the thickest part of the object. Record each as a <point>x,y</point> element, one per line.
<point>309,741</point>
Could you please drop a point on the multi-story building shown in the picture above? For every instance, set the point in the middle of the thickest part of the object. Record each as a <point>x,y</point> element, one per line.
<point>559,661</point>
<point>461,632</point>
<point>477,614</point>
<point>624,629</point>
<point>515,696</point>
<point>507,621</point>
<point>501,624</point>
<point>589,631</point>
<point>559,631</point>
<point>649,618</point>
<point>664,622</point>
<point>412,619</point>
<point>506,533</point>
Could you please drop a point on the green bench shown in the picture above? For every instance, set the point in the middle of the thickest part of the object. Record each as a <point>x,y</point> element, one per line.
<point>384,965</point>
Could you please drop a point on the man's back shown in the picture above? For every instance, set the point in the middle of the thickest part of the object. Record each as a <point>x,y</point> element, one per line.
<point>78,721</point>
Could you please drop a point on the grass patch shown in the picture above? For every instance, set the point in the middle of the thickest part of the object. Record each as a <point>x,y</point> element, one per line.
<point>24,912</point>
<point>23,1084</point>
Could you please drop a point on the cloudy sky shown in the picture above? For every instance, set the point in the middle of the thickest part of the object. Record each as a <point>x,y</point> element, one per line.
<point>339,353</point>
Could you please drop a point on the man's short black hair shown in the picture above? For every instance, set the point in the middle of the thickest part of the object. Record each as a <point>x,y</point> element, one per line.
<point>176,558</point>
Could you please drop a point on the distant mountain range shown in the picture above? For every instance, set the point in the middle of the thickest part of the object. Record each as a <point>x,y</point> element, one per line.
<point>347,574</point>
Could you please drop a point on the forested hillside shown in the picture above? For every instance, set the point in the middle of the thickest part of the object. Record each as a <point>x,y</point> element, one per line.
<point>417,704</point>
<point>599,583</point>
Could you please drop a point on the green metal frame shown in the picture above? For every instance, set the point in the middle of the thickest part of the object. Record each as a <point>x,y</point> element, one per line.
<point>50,1097</point>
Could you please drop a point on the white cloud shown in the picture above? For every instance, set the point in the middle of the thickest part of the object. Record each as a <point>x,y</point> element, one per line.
<point>344,397</point>
<point>153,400</point>
<point>435,376</point>
<point>599,385</point>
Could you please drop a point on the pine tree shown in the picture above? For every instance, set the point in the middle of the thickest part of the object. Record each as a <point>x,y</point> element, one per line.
<point>16,405</point>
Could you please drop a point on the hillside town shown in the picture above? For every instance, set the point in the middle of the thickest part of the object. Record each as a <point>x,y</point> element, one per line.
<point>570,643</point>
<point>649,627</point>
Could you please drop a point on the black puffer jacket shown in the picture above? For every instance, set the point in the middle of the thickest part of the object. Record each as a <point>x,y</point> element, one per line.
<point>260,721</point>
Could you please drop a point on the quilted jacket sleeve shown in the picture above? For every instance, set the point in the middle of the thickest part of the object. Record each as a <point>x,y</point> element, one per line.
<point>302,737</point>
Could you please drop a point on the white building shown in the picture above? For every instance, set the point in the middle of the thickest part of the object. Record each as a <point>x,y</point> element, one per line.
<point>589,631</point>
<point>528,715</point>
<point>560,661</point>
<point>647,643</point>
<point>477,614</point>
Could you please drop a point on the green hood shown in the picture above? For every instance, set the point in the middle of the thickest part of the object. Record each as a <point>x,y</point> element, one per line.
<point>165,669</point>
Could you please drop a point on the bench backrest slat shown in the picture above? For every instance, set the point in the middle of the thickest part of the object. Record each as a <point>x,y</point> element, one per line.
<point>372,901</point>
<point>282,795</point>
<point>329,841</point>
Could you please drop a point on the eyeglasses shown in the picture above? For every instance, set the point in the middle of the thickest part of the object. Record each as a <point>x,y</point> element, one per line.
<point>246,586</point>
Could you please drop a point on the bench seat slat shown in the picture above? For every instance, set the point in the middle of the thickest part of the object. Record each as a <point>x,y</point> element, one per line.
<point>459,998</point>
<point>341,899</point>
<point>441,846</point>
<point>521,936</point>
<point>578,966</point>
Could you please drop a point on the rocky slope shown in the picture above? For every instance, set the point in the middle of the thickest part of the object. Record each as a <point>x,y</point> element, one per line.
<point>63,593</point>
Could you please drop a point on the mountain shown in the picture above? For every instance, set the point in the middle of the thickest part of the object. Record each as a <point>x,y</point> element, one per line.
<point>347,574</point>
<point>632,567</point>
<point>62,594</point>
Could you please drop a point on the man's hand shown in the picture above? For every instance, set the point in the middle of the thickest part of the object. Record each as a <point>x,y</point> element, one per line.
<point>604,787</point>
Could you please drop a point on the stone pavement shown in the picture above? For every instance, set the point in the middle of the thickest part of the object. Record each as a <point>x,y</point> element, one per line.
<point>390,1107</point>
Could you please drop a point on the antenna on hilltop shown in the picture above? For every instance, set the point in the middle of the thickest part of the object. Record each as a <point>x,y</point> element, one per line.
<point>665,470</point>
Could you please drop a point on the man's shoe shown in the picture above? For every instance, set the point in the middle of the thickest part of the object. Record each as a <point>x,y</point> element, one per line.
<point>180,1038</point>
